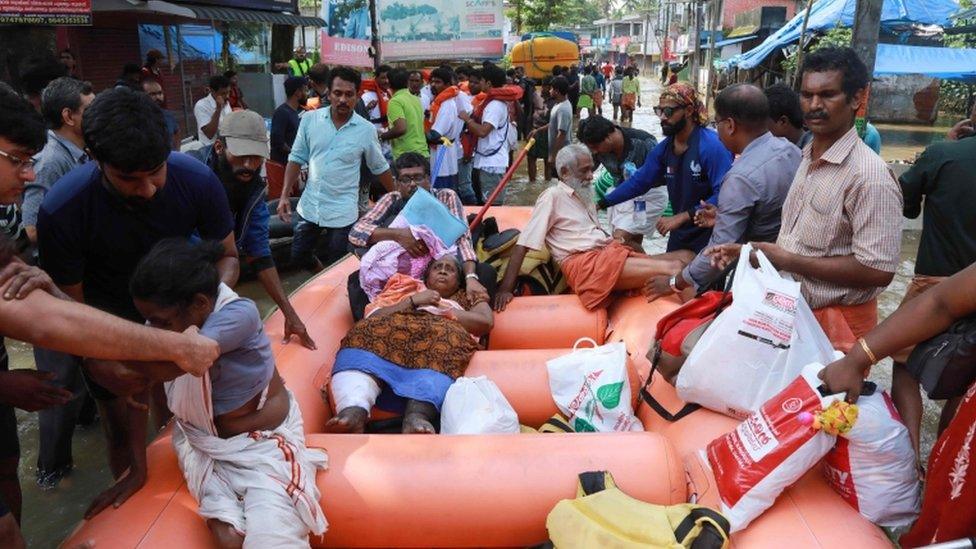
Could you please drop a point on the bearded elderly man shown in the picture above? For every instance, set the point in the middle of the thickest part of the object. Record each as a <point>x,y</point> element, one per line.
<point>564,220</point>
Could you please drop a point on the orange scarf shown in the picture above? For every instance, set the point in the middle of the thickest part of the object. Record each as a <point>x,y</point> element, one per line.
<point>382,96</point>
<point>449,93</point>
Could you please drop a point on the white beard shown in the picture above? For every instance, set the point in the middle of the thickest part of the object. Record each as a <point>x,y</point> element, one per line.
<point>583,190</point>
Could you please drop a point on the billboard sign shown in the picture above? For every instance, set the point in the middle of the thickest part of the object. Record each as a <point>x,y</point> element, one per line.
<point>440,29</point>
<point>45,12</point>
<point>347,33</point>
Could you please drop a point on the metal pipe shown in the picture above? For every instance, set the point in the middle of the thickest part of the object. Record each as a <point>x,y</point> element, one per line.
<point>799,54</point>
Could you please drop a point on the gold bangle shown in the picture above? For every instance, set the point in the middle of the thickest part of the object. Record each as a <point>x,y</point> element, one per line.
<point>867,351</point>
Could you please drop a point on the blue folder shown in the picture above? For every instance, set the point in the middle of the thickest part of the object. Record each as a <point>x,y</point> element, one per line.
<point>423,208</point>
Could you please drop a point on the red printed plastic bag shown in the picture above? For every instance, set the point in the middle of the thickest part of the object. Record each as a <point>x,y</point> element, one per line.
<point>873,466</point>
<point>770,450</point>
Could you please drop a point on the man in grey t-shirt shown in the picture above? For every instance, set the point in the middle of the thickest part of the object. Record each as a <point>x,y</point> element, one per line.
<point>560,124</point>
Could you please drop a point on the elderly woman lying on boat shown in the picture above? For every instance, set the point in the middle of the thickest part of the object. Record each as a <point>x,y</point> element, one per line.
<point>416,339</point>
<point>238,433</point>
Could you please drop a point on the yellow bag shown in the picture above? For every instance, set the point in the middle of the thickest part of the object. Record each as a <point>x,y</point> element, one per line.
<point>539,273</point>
<point>603,516</point>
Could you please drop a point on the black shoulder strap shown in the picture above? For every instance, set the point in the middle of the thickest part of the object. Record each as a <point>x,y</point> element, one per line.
<point>710,537</point>
<point>659,408</point>
<point>593,481</point>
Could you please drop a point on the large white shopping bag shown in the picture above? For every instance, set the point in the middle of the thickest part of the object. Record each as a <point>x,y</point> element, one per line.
<point>592,389</point>
<point>873,466</point>
<point>476,406</point>
<point>756,346</point>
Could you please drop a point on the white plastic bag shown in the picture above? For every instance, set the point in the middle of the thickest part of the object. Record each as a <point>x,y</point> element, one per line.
<point>769,451</point>
<point>756,346</point>
<point>475,406</point>
<point>873,466</point>
<point>592,389</point>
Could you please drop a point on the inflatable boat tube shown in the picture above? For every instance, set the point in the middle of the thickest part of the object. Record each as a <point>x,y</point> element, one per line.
<point>490,490</point>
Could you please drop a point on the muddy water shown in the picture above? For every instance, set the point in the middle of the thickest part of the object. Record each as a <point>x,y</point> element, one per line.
<point>50,516</point>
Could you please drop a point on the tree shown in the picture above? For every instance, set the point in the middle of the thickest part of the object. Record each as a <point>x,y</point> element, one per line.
<point>541,15</point>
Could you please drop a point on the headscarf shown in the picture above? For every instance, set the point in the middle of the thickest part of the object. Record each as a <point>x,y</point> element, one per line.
<point>685,95</point>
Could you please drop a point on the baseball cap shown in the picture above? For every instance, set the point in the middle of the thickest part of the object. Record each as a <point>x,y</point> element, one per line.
<point>245,133</point>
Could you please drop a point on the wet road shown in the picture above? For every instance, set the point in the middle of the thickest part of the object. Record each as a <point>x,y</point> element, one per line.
<point>50,516</point>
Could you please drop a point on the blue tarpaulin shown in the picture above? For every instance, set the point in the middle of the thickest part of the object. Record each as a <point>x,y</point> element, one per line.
<point>827,14</point>
<point>949,63</point>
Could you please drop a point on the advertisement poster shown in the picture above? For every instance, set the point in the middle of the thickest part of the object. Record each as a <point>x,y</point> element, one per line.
<point>440,29</point>
<point>45,12</point>
<point>347,34</point>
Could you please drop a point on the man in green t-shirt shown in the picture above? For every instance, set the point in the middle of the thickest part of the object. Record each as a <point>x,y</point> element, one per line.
<point>405,118</point>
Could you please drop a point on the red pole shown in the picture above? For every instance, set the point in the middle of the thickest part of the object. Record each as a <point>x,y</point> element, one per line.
<point>501,184</point>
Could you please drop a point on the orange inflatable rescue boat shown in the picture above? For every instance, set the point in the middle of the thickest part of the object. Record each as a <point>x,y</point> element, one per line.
<point>393,490</point>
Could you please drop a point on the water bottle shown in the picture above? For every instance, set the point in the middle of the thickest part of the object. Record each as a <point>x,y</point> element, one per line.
<point>640,205</point>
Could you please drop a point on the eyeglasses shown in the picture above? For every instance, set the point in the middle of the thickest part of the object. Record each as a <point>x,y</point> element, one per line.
<point>19,163</point>
<point>714,123</point>
<point>412,179</point>
<point>667,112</point>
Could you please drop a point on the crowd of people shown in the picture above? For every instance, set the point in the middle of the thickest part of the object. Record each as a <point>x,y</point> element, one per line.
<point>133,250</point>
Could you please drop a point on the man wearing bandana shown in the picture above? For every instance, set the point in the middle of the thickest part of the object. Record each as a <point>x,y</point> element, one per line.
<point>691,161</point>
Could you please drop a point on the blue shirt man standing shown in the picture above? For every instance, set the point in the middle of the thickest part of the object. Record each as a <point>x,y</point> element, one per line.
<point>691,161</point>
<point>333,143</point>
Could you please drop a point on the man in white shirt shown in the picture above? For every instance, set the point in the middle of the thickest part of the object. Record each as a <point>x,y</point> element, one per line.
<point>565,222</point>
<point>444,110</point>
<point>376,96</point>
<point>493,131</point>
<point>209,110</point>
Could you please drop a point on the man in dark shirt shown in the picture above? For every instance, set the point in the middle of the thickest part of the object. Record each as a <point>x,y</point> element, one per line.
<point>284,123</point>
<point>101,218</point>
<point>943,176</point>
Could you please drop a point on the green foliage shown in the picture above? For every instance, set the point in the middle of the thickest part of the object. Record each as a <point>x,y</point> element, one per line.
<point>957,97</point>
<point>542,15</point>
<point>837,36</point>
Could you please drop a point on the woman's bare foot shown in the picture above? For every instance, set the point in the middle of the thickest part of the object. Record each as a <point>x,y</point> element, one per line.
<point>349,420</point>
<point>224,535</point>
<point>418,418</point>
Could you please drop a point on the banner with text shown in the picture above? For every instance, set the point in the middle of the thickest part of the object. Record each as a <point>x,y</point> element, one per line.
<point>347,34</point>
<point>440,29</point>
<point>45,12</point>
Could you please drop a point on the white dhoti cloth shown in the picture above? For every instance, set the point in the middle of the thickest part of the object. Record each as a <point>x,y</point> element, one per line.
<point>262,483</point>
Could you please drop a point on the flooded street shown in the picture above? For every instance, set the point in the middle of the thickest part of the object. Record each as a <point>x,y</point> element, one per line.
<point>49,516</point>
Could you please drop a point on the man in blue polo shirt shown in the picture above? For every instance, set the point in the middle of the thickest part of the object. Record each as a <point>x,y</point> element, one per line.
<point>691,161</point>
<point>98,221</point>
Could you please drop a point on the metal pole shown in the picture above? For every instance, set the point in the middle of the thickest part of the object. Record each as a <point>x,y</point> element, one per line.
<point>795,77</point>
<point>184,87</point>
<point>696,51</point>
<point>375,39</point>
<point>716,6</point>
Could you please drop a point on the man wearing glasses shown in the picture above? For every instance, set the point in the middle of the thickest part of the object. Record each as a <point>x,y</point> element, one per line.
<point>753,190</point>
<point>691,161</point>
<point>413,172</point>
<point>97,222</point>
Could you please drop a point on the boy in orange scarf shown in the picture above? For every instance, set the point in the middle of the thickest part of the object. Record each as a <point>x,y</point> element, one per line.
<point>444,122</point>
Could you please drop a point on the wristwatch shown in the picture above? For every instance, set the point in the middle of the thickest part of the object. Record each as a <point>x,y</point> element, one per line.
<point>673,282</point>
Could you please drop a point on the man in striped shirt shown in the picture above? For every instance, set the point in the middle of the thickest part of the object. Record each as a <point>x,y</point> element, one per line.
<point>413,172</point>
<point>841,229</point>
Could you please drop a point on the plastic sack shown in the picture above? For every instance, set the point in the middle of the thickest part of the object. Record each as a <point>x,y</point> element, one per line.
<point>592,389</point>
<point>873,466</point>
<point>770,450</point>
<point>475,406</point>
<point>757,346</point>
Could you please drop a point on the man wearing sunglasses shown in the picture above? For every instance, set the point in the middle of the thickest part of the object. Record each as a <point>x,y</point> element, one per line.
<point>753,190</point>
<point>691,161</point>
<point>97,222</point>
